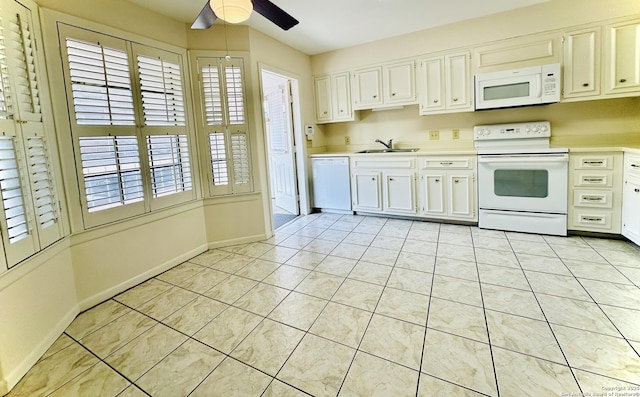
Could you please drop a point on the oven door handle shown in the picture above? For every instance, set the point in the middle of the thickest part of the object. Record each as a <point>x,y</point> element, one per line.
<point>528,158</point>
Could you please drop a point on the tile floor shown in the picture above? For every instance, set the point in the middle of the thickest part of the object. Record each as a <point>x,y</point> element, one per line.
<point>366,306</point>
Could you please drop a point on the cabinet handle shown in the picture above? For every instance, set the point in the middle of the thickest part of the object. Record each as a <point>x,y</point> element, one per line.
<point>623,80</point>
<point>585,85</point>
<point>446,163</point>
<point>373,178</point>
<point>592,198</point>
<point>393,94</point>
<point>636,190</point>
<point>341,110</point>
<point>591,219</point>
<point>435,101</point>
<point>437,180</point>
<point>375,96</point>
<point>325,112</point>
<point>596,162</point>
<point>390,179</point>
<point>635,166</point>
<point>455,99</point>
<point>593,180</point>
<point>456,181</point>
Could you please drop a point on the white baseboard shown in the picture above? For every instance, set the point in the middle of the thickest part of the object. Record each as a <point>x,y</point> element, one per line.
<point>30,360</point>
<point>236,241</point>
<point>109,293</point>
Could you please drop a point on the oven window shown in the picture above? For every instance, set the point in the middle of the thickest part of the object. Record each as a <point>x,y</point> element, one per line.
<point>507,91</point>
<point>521,183</point>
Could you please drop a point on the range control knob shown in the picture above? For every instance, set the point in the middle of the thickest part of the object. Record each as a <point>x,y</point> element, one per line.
<point>528,130</point>
<point>544,128</point>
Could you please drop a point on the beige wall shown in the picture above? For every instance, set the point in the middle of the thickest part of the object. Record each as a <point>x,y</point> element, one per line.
<point>124,15</point>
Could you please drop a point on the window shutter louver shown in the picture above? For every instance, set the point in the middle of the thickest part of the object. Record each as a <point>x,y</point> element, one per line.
<point>26,82</point>
<point>169,164</point>
<point>218,159</point>
<point>161,87</point>
<point>41,183</point>
<point>6,107</point>
<point>100,84</point>
<point>240,155</point>
<point>235,95</point>
<point>11,190</point>
<point>212,95</point>
<point>111,170</point>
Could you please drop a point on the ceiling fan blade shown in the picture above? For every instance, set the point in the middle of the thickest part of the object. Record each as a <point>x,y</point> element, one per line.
<point>205,19</point>
<point>275,14</point>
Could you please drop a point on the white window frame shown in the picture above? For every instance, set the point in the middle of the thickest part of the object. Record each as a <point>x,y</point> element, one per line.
<point>229,166</point>
<point>140,128</point>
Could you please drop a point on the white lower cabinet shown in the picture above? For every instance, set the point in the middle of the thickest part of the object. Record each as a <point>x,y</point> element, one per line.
<point>631,198</point>
<point>384,184</point>
<point>595,196</point>
<point>448,188</point>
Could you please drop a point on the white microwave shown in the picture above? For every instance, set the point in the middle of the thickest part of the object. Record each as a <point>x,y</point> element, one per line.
<point>534,85</point>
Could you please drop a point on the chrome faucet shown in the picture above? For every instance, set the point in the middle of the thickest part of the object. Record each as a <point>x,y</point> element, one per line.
<point>387,145</point>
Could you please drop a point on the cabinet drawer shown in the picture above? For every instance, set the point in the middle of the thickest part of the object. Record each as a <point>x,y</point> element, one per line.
<point>383,163</point>
<point>445,163</point>
<point>592,179</point>
<point>632,165</point>
<point>595,162</point>
<point>592,219</point>
<point>593,198</point>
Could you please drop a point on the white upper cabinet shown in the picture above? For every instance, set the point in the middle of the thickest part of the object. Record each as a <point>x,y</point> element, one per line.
<point>582,63</point>
<point>366,86</point>
<point>387,85</point>
<point>399,83</point>
<point>623,57</point>
<point>333,98</point>
<point>445,84</point>
<point>322,86</point>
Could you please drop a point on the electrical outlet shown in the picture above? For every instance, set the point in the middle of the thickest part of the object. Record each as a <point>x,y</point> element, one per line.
<point>455,134</point>
<point>434,135</point>
<point>347,140</point>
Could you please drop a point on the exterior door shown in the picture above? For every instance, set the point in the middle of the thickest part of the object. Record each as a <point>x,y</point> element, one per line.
<point>281,148</point>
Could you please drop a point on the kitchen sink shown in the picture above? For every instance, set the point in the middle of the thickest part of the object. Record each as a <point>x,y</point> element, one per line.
<point>389,150</point>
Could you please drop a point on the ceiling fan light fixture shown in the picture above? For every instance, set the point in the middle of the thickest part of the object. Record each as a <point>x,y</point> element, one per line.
<point>232,11</point>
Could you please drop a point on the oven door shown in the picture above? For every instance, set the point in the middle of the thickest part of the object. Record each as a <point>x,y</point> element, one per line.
<point>523,182</point>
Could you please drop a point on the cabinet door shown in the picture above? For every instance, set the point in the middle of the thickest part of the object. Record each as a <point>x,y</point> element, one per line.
<point>399,83</point>
<point>432,99</point>
<point>366,191</point>
<point>433,194</point>
<point>367,88</point>
<point>460,195</point>
<point>400,192</point>
<point>582,63</point>
<point>631,210</point>
<point>323,98</point>
<point>341,97</point>
<point>458,87</point>
<point>623,57</point>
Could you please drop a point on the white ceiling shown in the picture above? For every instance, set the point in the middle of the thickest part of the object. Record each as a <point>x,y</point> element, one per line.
<point>327,25</point>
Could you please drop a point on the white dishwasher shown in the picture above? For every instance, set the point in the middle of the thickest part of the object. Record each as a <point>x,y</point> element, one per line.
<point>331,183</point>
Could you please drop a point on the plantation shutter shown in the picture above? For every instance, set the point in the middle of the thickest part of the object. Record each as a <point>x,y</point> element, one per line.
<point>29,204</point>
<point>18,238</point>
<point>163,109</point>
<point>100,97</point>
<point>225,118</point>
<point>22,61</point>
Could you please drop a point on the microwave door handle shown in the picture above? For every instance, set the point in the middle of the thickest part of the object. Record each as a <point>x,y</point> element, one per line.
<point>538,83</point>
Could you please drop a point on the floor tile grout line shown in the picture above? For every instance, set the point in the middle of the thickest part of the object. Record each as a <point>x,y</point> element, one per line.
<point>426,322</point>
<point>547,320</point>
<point>484,313</point>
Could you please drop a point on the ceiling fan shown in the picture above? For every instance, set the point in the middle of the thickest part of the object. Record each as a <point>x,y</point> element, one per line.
<point>266,8</point>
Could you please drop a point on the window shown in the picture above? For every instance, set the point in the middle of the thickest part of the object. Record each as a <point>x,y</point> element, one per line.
<point>224,119</point>
<point>29,206</point>
<point>127,105</point>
